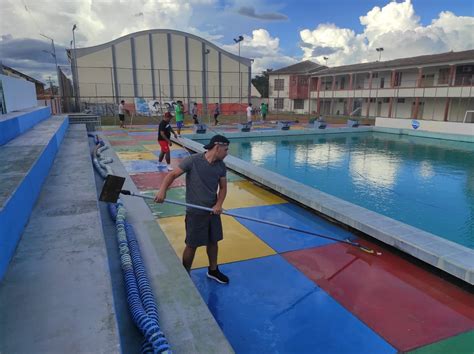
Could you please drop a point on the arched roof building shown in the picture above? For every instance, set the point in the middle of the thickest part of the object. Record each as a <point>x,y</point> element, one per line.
<point>160,64</point>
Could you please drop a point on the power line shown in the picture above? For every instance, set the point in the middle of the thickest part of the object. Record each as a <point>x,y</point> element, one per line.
<point>27,9</point>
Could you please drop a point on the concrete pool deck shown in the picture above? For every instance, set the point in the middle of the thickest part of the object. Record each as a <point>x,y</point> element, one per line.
<point>443,254</point>
<point>295,292</point>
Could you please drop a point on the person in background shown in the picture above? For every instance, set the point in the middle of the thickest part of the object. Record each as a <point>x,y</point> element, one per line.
<point>264,110</point>
<point>164,139</point>
<point>249,114</point>
<point>217,112</point>
<point>194,113</point>
<point>206,185</point>
<point>179,115</point>
<point>121,113</point>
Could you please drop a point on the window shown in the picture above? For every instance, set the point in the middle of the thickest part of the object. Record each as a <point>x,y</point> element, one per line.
<point>443,76</point>
<point>343,83</point>
<point>298,104</point>
<point>279,84</point>
<point>401,100</point>
<point>278,103</point>
<point>303,81</point>
<point>398,79</point>
<point>372,100</point>
<point>386,100</point>
<point>382,82</point>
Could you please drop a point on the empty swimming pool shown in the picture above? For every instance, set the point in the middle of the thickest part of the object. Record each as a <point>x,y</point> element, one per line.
<point>427,183</point>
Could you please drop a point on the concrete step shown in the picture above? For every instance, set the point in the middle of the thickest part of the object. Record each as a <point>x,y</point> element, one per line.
<point>24,164</point>
<point>14,124</point>
<point>56,296</point>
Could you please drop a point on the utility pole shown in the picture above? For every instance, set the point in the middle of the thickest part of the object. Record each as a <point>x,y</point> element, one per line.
<point>50,85</point>
<point>53,54</point>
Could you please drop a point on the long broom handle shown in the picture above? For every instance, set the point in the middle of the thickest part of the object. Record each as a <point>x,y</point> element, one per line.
<point>283,226</point>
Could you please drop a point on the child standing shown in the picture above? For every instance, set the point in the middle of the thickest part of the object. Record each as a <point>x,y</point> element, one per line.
<point>164,136</point>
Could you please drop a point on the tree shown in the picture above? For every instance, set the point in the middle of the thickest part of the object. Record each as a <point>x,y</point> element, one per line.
<point>261,83</point>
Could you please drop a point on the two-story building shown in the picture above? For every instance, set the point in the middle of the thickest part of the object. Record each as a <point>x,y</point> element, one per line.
<point>288,87</point>
<point>430,87</point>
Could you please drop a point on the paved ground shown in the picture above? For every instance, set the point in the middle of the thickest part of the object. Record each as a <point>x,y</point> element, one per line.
<point>293,292</point>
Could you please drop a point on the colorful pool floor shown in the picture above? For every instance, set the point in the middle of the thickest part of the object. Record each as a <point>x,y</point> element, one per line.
<point>294,293</point>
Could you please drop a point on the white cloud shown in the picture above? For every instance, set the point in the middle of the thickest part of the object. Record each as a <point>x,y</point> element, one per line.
<point>264,49</point>
<point>392,17</point>
<point>396,28</point>
<point>97,21</point>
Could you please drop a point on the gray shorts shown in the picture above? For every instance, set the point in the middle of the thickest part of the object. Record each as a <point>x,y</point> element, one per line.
<point>203,229</point>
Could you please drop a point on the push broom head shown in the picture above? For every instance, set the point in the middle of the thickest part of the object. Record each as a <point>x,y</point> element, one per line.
<point>111,189</point>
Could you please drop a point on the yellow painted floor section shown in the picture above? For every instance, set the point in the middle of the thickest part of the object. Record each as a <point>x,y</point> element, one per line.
<point>136,155</point>
<point>238,243</point>
<point>244,194</point>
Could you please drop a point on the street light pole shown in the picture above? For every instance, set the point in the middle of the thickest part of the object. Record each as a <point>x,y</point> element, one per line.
<point>380,50</point>
<point>326,60</point>
<point>206,73</point>
<point>238,40</point>
<point>76,86</point>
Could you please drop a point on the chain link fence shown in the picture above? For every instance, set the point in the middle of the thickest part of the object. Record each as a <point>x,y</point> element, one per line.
<point>153,92</point>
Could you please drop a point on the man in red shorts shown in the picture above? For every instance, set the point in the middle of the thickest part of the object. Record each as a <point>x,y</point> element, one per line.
<point>164,136</point>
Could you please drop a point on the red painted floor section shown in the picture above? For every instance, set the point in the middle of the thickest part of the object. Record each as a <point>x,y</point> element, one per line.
<point>405,304</point>
<point>152,180</point>
<point>148,137</point>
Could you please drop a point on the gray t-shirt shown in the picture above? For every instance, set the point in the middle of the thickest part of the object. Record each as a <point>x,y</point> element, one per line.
<point>202,181</point>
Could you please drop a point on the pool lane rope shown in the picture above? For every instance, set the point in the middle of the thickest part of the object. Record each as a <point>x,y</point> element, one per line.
<point>140,298</point>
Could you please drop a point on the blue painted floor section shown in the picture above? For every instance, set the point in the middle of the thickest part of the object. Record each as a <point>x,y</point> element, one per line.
<point>151,134</point>
<point>296,317</point>
<point>136,166</point>
<point>175,154</point>
<point>284,240</point>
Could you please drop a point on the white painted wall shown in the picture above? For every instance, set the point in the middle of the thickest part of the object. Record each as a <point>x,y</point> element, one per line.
<point>458,108</point>
<point>18,93</point>
<point>143,66</point>
<point>286,86</point>
<point>431,126</point>
<point>178,55</point>
<point>213,75</point>
<point>95,73</point>
<point>123,59</point>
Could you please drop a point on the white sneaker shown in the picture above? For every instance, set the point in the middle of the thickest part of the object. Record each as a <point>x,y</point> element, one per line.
<point>170,168</point>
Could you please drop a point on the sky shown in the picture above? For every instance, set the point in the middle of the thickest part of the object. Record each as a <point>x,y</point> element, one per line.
<point>276,33</point>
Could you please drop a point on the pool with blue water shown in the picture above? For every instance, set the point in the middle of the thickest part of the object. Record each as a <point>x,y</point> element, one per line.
<point>424,182</point>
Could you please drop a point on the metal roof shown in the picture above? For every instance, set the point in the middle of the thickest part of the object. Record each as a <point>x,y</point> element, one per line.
<point>403,62</point>
<point>88,50</point>
<point>303,67</point>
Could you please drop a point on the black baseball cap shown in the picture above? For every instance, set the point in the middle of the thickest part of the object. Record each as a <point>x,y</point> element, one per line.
<point>217,139</point>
